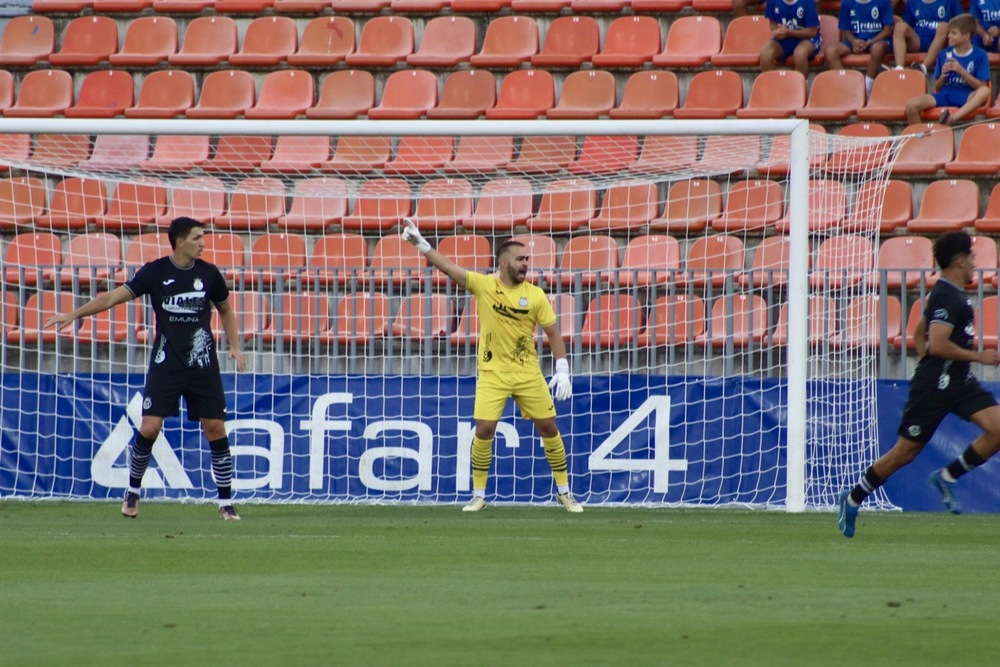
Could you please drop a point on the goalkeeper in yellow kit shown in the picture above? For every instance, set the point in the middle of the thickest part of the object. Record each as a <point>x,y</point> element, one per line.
<point>509,311</point>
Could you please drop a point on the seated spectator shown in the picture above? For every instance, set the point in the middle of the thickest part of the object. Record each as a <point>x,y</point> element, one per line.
<point>794,34</point>
<point>865,27</point>
<point>961,76</point>
<point>924,29</point>
<point>987,15</point>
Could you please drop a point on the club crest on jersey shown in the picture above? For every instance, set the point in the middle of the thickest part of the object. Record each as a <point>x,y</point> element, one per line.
<point>523,302</point>
<point>198,285</point>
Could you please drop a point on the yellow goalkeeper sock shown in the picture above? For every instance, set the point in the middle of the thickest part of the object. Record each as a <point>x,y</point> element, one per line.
<point>482,457</point>
<point>555,454</point>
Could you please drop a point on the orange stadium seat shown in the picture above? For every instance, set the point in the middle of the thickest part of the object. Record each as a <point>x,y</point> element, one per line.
<point>226,251</point>
<point>37,310</point>
<point>256,203</point>
<point>863,322</point>
<point>987,261</point>
<point>29,254</point>
<point>778,160</point>
<point>509,42</point>
<point>164,94</point>
<point>975,152</point>
<point>16,148</point>
<point>446,42</point>
<point>60,150</point>
<point>299,318</point>
<point>234,153</point>
<point>420,155</point>
<point>359,154</point>
<point>691,42</point>
<point>27,40</point>
<point>381,204</point>
<point>630,41</point>
<point>149,41</point>
<point>442,204</point>
<point>208,41</point>
<point>909,332</point>
<point>733,155</point>
<point>590,6</point>
<point>566,205</point>
<point>469,251</point>
<point>386,41</point>
<point>503,204</point>
<point>344,94</point>
<point>61,6</point>
<point>842,261</point>
<point>691,205</point>
<point>821,322</point>
<point>43,94</point>
<point>605,154</point>
<point>651,259</point>
<point>424,317</point>
<point>543,154</point>
<point>224,94</point>
<point>660,5</point>
<point>666,153</point>
<point>947,205</point>
<point>569,42</point>
<point>338,258</point>
<point>182,7</point>
<point>134,206</point>
<point>628,206</point>
<point>361,318</point>
<point>242,6</point>
<point>326,41</point>
<point>395,261</point>
<point>466,95</point>
<point>826,208</point>
<point>76,204</point>
<point>90,257</point>
<point>317,204</point>
<point>117,151</point>
<point>711,260</point>
<point>648,94</point>
<point>611,321</point>
<point>887,205</point>
<point>478,6</point>
<point>835,95</point>
<point>294,154</point>
<point>542,254</point>
<point>253,313</point>
<point>745,37</point>
<point>112,325</point>
<point>418,6</point>
<point>407,95</point>
<point>276,258</point>
<point>103,94</point>
<point>369,7</point>
<point>751,206</point>
<point>524,94</point>
<point>898,253</point>
<point>779,93</point>
<point>740,320</point>
<point>585,94</point>
<point>586,261</point>
<point>674,320</point>
<point>173,152</point>
<point>284,94</point>
<point>143,248</point>
<point>770,263</point>
<point>480,155</point>
<point>713,94</point>
<point>198,197</point>
<point>6,89</point>
<point>890,92</point>
<point>268,41</point>
<point>466,334</point>
<point>22,201</point>
<point>87,41</point>
<point>863,156</point>
<point>990,220</point>
<point>929,149</point>
<point>565,307</point>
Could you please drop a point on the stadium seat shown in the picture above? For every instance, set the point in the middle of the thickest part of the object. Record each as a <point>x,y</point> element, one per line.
<point>509,42</point>
<point>842,261</point>
<point>975,155</point>
<point>524,94</point>
<point>586,261</point>
<point>585,94</point>
<point>423,317</point>
<point>627,207</point>
<point>27,40</point>
<point>6,90</point>
<point>92,257</point>
<point>890,92</point>
<point>103,94</point>
<point>712,260</point>
<point>208,41</point>
<point>670,6</point>
<point>175,152</point>
<point>326,41</point>
<point>825,210</point>
<point>503,204</point>
<point>542,254</point>
<point>862,156</point>
<point>86,41</point>
<point>17,148</point>
<point>276,260</point>
<point>284,94</point>
<point>381,204</point>
<point>226,251</point>
<point>224,94</point>
<point>929,149</point>
<point>744,39</point>
<point>691,205</point>
<point>778,93</point>
<point>43,94</point>
<point>22,201</point>
<point>769,266</point>
<point>989,223</point>
<point>109,326</point>
<point>361,319</point>
<point>386,41</point>
<point>338,258</point>
<point>605,154</point>
<point>198,197</point>
<point>469,251</point>
<point>947,205</point>
<point>268,41</point>
<point>751,206</point>
<point>141,249</point>
<point>420,155</point>
<point>418,6</point>
<point>343,95</point>
<point>538,155</point>
<point>648,94</point>
<point>134,206</point>
<point>60,6</point>
<point>367,7</point>
<point>480,155</point>
<point>712,94</point>
<point>663,153</point>
<point>734,154</point>
<point>906,339</point>
<point>566,205</point>
<point>28,255</point>
<point>39,307</point>
<point>835,95</point>
<point>238,154</point>
<point>478,6</point>
<point>149,41</point>
<point>740,320</point>
<point>466,334</point>
<point>317,204</point>
<point>182,7</point>
<point>778,160</point>
<point>651,259</point>
<point>888,204</point>
<point>987,261</point>
<point>164,94</point>
<point>612,321</point>
<point>76,204</point>
<point>630,41</point>
<point>357,154</point>
<point>565,307</point>
<point>691,42</point>
<point>442,204</point>
<point>294,154</point>
<point>987,322</point>
<point>593,6</point>
<point>466,95</point>
<point>863,322</point>
<point>242,6</point>
<point>395,261</point>
<point>540,6</point>
<point>253,314</point>
<point>407,95</point>
<point>256,203</point>
<point>821,322</point>
<point>898,253</point>
<point>674,320</point>
<point>569,42</point>
<point>299,318</point>
<point>60,150</point>
<point>446,42</point>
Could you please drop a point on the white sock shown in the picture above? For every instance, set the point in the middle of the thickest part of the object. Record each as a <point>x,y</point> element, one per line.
<point>479,493</point>
<point>868,85</point>
<point>225,502</point>
<point>946,476</point>
<point>562,489</point>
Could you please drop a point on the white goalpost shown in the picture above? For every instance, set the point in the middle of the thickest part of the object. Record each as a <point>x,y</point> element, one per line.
<point>715,283</point>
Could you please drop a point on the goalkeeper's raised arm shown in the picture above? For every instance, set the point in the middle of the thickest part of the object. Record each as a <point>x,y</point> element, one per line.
<point>436,259</point>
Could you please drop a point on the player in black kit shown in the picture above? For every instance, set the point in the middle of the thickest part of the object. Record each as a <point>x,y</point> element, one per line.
<point>943,382</point>
<point>182,289</point>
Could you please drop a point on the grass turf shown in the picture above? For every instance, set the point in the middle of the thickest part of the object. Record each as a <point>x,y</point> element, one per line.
<point>346,585</point>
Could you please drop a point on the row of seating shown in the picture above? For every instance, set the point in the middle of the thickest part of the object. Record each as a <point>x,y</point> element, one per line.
<point>585,262</point>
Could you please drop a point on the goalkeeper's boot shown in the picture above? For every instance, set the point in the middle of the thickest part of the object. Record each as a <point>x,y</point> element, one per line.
<point>947,491</point>
<point>848,514</point>
<point>569,502</point>
<point>130,506</point>
<point>477,504</point>
<point>228,513</point>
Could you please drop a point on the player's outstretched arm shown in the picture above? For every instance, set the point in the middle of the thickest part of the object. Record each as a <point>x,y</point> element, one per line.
<point>96,305</point>
<point>436,259</point>
<point>232,330</point>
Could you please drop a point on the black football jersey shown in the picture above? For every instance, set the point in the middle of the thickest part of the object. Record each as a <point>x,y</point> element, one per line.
<point>948,304</point>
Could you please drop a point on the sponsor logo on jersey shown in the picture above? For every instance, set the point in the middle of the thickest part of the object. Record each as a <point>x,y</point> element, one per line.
<point>186,302</point>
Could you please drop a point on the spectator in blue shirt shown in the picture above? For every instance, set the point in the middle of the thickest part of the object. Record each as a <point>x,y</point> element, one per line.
<point>924,29</point>
<point>865,27</point>
<point>794,34</point>
<point>987,15</point>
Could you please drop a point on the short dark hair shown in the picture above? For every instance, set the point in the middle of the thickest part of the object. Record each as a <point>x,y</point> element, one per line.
<point>951,245</point>
<point>964,23</point>
<point>504,247</point>
<point>180,228</point>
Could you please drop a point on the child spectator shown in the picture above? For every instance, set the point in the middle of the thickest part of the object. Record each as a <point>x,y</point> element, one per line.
<point>987,15</point>
<point>962,76</point>
<point>924,29</point>
<point>865,27</point>
<point>794,33</point>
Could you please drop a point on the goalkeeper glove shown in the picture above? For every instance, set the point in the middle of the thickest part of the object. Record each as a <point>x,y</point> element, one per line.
<point>560,383</point>
<point>413,235</point>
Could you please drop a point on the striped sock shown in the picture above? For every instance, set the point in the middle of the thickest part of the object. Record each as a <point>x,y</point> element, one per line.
<point>555,454</point>
<point>967,462</point>
<point>222,467</point>
<point>482,457</point>
<point>138,460</point>
<point>866,485</point>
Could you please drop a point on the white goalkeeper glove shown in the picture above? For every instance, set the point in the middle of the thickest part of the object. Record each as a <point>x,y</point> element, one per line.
<point>413,235</point>
<point>562,388</point>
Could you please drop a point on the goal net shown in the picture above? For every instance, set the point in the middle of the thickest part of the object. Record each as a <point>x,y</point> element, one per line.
<point>715,284</point>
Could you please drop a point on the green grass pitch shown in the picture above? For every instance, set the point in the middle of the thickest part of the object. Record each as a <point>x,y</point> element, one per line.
<point>518,586</point>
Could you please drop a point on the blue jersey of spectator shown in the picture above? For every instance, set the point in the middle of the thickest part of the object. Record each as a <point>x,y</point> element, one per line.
<point>976,62</point>
<point>867,18</point>
<point>794,15</point>
<point>925,15</point>
<point>986,12</point>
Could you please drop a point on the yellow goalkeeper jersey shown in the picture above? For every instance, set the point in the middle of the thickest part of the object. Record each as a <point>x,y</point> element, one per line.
<point>508,317</point>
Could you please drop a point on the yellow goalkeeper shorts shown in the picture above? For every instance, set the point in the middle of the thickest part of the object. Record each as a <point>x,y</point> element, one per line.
<point>528,389</point>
